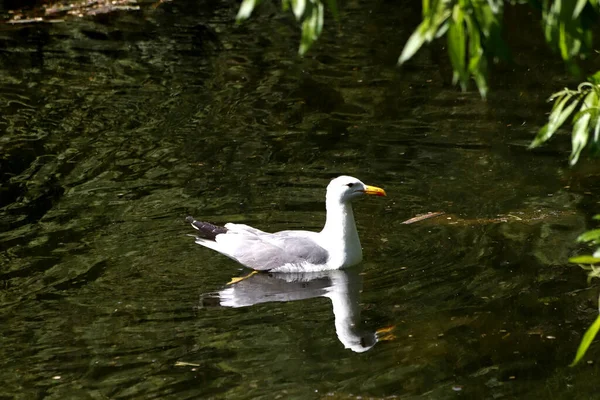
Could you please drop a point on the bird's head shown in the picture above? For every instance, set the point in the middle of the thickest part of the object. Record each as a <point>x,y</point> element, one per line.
<point>346,188</point>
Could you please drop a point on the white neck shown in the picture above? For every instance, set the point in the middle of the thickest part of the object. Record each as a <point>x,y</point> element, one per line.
<point>340,237</point>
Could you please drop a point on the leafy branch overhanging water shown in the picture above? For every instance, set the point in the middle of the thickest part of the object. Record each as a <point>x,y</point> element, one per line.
<point>474,36</point>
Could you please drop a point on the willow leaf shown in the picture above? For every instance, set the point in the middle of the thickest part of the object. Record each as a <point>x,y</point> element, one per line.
<point>457,47</point>
<point>320,19</point>
<point>298,7</point>
<point>480,77</point>
<point>564,114</point>
<point>592,112</point>
<point>540,138</point>
<point>436,21</point>
<point>414,43</point>
<point>477,60</point>
<point>589,236</point>
<point>587,340</point>
<point>584,260</point>
<point>311,27</point>
<point>557,117</point>
<point>595,79</point>
<point>579,8</point>
<point>246,9</point>
<point>557,111</point>
<point>581,128</point>
<point>426,7</point>
<point>442,29</point>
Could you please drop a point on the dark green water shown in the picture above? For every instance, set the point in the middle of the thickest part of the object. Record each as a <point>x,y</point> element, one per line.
<point>113,128</point>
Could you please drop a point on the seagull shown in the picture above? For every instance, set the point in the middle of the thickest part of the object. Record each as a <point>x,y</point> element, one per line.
<point>337,246</point>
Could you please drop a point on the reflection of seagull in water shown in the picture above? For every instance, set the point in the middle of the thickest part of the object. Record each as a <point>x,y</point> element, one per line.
<point>342,287</point>
<point>336,246</point>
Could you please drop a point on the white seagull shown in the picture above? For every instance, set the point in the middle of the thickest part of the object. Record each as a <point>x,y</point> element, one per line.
<point>336,246</point>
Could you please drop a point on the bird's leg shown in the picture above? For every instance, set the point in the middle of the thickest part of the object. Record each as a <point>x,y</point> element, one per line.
<point>238,279</point>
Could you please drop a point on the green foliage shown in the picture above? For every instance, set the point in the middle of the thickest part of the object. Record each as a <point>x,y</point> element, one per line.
<point>565,31</point>
<point>310,13</point>
<point>588,262</point>
<point>585,260</point>
<point>473,29</point>
<point>474,33</point>
<point>583,104</point>
<point>591,237</point>
<point>474,36</point>
<point>588,337</point>
<point>246,9</point>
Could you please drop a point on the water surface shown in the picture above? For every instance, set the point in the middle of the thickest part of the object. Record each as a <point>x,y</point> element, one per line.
<point>114,127</point>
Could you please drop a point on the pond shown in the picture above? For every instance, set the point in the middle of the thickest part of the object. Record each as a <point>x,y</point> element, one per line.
<point>116,126</point>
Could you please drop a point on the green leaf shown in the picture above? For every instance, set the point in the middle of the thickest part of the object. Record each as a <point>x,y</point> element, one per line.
<point>557,117</point>
<point>584,260</point>
<point>246,9</point>
<point>565,33</point>
<point>587,340</point>
<point>298,7</point>
<point>579,8</point>
<point>581,128</point>
<point>563,44</point>
<point>426,7</point>
<point>596,128</point>
<point>477,60</point>
<point>435,21</point>
<point>589,236</point>
<point>596,217</point>
<point>414,43</point>
<point>434,24</point>
<point>442,29</point>
<point>320,20</point>
<point>556,97</point>
<point>592,112</point>
<point>457,47</point>
<point>541,137</point>
<point>481,78</point>
<point>311,27</point>
<point>557,109</point>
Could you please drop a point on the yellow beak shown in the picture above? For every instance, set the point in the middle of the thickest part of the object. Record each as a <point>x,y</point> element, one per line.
<point>374,190</point>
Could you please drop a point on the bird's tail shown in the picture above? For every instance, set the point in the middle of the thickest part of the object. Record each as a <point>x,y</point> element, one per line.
<point>206,230</point>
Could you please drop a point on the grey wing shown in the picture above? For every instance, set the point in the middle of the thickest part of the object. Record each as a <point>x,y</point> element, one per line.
<point>269,251</point>
<point>301,244</point>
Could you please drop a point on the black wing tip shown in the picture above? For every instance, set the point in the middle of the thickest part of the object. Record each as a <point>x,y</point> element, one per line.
<point>207,230</point>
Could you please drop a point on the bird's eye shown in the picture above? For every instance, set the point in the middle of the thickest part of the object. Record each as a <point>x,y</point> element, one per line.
<point>350,184</point>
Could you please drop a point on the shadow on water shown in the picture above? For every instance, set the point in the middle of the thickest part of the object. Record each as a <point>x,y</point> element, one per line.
<point>115,126</point>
